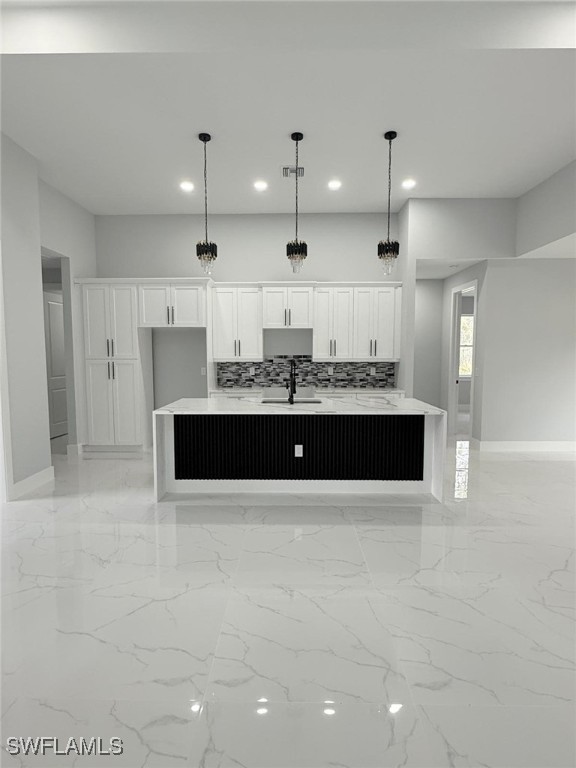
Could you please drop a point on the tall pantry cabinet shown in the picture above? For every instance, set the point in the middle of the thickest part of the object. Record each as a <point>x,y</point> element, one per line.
<point>112,364</point>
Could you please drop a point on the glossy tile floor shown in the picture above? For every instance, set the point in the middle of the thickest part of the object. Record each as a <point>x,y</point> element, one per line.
<point>287,632</point>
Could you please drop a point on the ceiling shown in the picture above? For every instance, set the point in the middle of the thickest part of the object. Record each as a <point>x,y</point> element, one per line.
<point>117,131</point>
<point>439,269</point>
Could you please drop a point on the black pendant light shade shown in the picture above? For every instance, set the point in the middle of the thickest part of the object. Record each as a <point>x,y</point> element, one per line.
<point>296,250</point>
<point>388,250</point>
<point>206,251</point>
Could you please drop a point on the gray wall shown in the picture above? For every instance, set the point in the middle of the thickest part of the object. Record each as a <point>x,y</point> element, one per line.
<point>178,354</point>
<point>428,341</point>
<point>529,374</point>
<point>250,247</point>
<point>26,402</point>
<point>547,212</point>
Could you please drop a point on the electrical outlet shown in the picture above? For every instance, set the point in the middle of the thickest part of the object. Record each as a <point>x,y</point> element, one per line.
<point>330,371</point>
<point>372,371</point>
<point>252,371</point>
<point>298,451</point>
<point>203,371</point>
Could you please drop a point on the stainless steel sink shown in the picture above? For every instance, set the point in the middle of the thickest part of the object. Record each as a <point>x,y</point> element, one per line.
<point>297,400</point>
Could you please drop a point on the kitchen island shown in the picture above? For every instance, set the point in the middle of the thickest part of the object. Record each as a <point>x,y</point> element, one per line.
<point>245,445</point>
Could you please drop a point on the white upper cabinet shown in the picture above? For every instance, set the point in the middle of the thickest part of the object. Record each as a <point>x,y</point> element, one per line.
<point>377,323</point>
<point>333,323</point>
<point>237,323</point>
<point>288,307</point>
<point>110,313</point>
<point>166,304</point>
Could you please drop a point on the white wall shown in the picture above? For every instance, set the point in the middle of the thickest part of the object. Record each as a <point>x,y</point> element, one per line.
<point>250,247</point>
<point>455,230</point>
<point>529,375</point>
<point>428,341</point>
<point>27,440</point>
<point>547,212</point>
<point>179,354</point>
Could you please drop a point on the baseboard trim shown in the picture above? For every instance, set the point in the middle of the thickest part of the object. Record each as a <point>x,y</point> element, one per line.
<point>527,446</point>
<point>73,449</point>
<point>29,484</point>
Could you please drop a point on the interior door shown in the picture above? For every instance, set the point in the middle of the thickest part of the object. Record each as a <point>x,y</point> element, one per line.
<point>249,323</point>
<point>123,328</point>
<point>55,363</point>
<point>224,330</point>
<point>154,305</point>
<point>96,321</point>
<point>343,323</point>
<point>187,302</point>
<point>300,305</point>
<point>275,310</point>
<point>126,402</point>
<point>322,336</point>
<point>384,321</point>
<point>363,337</point>
<point>99,402</point>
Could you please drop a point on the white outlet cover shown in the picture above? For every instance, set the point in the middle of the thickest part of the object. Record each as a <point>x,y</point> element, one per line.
<point>203,371</point>
<point>252,371</point>
<point>330,371</point>
<point>372,371</point>
<point>298,451</point>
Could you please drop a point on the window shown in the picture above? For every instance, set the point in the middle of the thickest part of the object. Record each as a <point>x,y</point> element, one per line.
<point>466,340</point>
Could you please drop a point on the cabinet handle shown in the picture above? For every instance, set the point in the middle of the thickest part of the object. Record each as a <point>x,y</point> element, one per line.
<point>112,345</point>
<point>330,347</point>
<point>107,347</point>
<point>370,347</point>
<point>168,315</point>
<point>285,314</point>
<point>375,342</point>
<point>238,347</point>
<point>172,315</point>
<point>113,370</point>
<point>235,347</point>
<point>334,347</point>
<point>289,317</point>
<point>108,370</point>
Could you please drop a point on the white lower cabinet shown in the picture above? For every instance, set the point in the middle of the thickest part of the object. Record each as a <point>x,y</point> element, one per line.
<point>237,323</point>
<point>113,402</point>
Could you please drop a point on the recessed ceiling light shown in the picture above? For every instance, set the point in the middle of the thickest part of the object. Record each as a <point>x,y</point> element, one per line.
<point>394,708</point>
<point>334,184</point>
<point>261,711</point>
<point>329,711</point>
<point>186,186</point>
<point>408,183</point>
<point>260,186</point>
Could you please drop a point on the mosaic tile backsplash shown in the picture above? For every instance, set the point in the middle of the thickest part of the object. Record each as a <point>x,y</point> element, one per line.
<point>274,371</point>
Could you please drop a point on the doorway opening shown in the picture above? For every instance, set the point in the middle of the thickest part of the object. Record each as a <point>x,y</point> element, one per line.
<point>462,355</point>
<point>56,291</point>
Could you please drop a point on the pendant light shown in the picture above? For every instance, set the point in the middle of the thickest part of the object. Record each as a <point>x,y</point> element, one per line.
<point>205,250</point>
<point>388,250</point>
<point>296,250</point>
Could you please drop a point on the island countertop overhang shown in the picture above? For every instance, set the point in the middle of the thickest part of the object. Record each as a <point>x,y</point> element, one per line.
<point>327,406</point>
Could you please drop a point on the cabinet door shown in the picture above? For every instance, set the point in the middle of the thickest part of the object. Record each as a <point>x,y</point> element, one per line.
<point>126,402</point>
<point>249,323</point>
<point>275,310</point>
<point>322,336</point>
<point>123,321</point>
<point>363,339</point>
<point>154,305</point>
<point>99,402</point>
<point>384,318</point>
<point>224,330</point>
<point>343,323</point>
<point>300,307</point>
<point>397,323</point>
<point>187,303</point>
<point>96,320</point>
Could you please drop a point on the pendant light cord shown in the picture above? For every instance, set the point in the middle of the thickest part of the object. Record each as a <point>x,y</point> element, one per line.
<point>296,191</point>
<point>205,196</point>
<point>389,182</point>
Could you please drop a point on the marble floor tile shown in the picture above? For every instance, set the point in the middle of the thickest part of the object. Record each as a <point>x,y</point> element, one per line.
<point>301,645</point>
<point>291,631</point>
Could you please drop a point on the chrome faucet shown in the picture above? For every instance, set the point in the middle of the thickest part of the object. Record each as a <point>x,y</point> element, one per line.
<point>291,383</point>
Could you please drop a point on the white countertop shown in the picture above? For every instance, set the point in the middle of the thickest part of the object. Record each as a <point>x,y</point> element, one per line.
<point>361,404</point>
